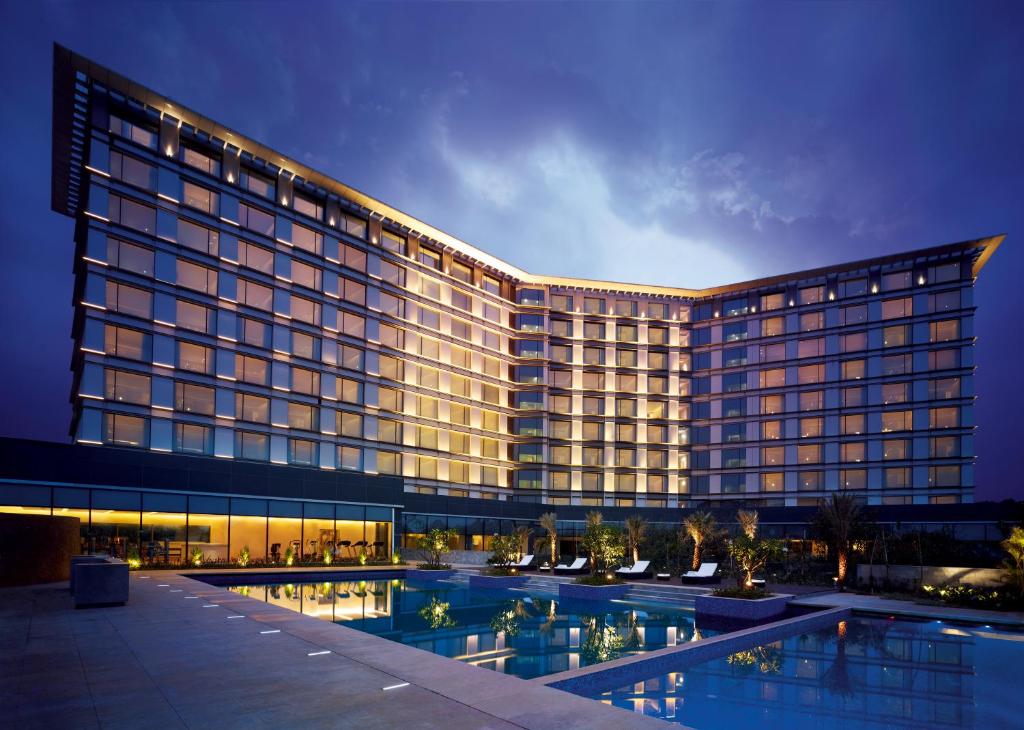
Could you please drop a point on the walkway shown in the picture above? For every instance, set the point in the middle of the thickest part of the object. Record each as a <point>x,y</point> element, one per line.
<point>893,607</point>
<point>186,654</point>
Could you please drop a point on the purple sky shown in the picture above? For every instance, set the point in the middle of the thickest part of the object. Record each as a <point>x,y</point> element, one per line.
<point>681,144</point>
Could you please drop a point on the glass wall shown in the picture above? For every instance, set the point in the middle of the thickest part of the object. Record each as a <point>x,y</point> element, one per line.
<point>169,527</point>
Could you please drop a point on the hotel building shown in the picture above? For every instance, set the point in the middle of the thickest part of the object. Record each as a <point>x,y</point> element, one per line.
<point>232,303</point>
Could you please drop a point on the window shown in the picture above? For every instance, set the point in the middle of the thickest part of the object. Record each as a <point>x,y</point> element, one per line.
<point>125,387</point>
<point>896,280</point>
<point>657,384</point>
<point>492,285</point>
<point>770,302</point>
<point>135,131</point>
<point>197,237</point>
<point>255,257</point>
<point>809,481</point>
<point>733,331</point>
<point>305,381</point>
<point>253,446</point>
<point>593,305</point>
<point>626,333</point>
<point>811,348</point>
<point>773,326</point>
<point>252,408</point>
<point>307,239</point>
<point>898,336</point>
<point>389,431</point>
<point>808,374</point>
<point>308,206</point>
<point>250,369</point>
<point>302,416</point>
<point>772,482</point>
<point>773,353</point>
<point>851,424</point>
<point>895,449</point>
<point>946,417</point>
<point>773,455</point>
<point>624,358</point>
<point>200,198</point>
<point>429,257</point>
<point>853,342</point>
<point>895,393</point>
<point>657,335</point>
<point>195,317</point>
<point>262,186</point>
<point>255,219</point>
<point>811,427</point>
<point>131,214</point>
<point>944,331</point>
<point>194,276</point>
<point>771,404</point>
<point>944,389</point>
<point>898,478</point>
<point>308,276</point>
<point>852,452</point>
<point>897,421</point>
<point>897,364</point>
<point>812,295</point>
<point>126,343</point>
<point>853,479</point>
<point>462,272</point>
<point>191,398</point>
<point>125,430</point>
<point>352,291</point>
<point>771,430</point>
<point>657,310</point>
<point>129,257</point>
<point>853,287</point>
<point>852,397</point>
<point>896,308</point>
<point>255,295</point>
<point>199,160</point>
<point>657,360</point>
<point>945,301</point>
<point>190,438</point>
<point>594,355</point>
<point>943,359</point>
<point>944,447</point>
<point>624,308</point>
<point>389,399</point>
<point>734,307</point>
<point>808,454</point>
<point>811,321</point>
<point>812,400</point>
<point>302,452</point>
<point>305,310</point>
<point>944,476</point>
<point>856,314</point>
<point>132,171</point>
<point>195,358</point>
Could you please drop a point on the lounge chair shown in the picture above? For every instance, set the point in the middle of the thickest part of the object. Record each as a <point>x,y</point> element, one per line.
<point>578,567</point>
<point>523,564</point>
<point>704,574</point>
<point>639,569</point>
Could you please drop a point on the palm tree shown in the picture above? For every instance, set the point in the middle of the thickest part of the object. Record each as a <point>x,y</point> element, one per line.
<point>636,526</point>
<point>594,518</point>
<point>523,534</point>
<point>549,522</point>
<point>748,522</point>
<point>838,521</point>
<point>699,527</point>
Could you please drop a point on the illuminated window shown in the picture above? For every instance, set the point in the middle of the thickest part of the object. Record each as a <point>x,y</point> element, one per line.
<point>853,451</point>
<point>897,421</point>
<point>852,424</point>
<point>255,219</point>
<point>773,326</point>
<point>129,300</point>
<point>773,455</point>
<point>896,308</point>
<point>771,430</point>
<point>126,387</point>
<point>948,417</point>
<point>812,295</point>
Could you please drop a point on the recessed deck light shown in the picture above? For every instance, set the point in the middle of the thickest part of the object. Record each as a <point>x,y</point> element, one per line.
<point>271,631</point>
<point>395,686</point>
<point>318,653</point>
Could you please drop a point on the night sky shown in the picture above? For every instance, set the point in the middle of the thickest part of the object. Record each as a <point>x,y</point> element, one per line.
<point>680,144</point>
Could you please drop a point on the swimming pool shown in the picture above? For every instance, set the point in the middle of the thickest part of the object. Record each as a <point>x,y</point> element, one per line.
<point>859,673</point>
<point>526,633</point>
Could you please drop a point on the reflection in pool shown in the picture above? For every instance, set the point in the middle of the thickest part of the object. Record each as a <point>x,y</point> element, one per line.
<point>859,673</point>
<point>525,633</point>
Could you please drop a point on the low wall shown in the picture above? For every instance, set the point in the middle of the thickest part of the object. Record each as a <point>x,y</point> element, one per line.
<point>37,548</point>
<point>455,557</point>
<point>912,576</point>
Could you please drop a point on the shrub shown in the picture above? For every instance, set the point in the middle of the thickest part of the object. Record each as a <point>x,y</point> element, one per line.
<point>362,557</point>
<point>133,559</point>
<point>437,545</point>
<point>289,556</point>
<point>504,549</point>
<point>599,579</point>
<point>327,556</point>
<point>243,557</point>
<point>739,592</point>
<point>396,558</point>
<point>606,546</point>
<point>196,557</point>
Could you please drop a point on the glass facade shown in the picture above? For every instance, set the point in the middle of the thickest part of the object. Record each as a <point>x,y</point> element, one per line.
<point>171,527</point>
<point>238,308</point>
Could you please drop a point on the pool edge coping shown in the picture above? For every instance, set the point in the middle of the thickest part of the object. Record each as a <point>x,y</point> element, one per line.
<point>615,673</point>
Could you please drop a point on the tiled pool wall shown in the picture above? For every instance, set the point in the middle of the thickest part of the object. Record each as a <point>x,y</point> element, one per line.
<point>607,676</point>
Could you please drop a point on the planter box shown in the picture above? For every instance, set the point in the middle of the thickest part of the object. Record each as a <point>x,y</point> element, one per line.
<point>592,593</point>
<point>102,583</point>
<point>745,609</point>
<point>420,574</point>
<point>497,581</point>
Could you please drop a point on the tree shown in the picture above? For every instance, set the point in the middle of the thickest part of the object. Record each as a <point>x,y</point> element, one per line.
<point>504,549</point>
<point>636,527</point>
<point>838,522</point>
<point>522,538</point>
<point>699,527</point>
<point>606,545</point>
<point>751,555</point>
<point>437,544</point>
<point>593,519</point>
<point>549,521</point>
<point>748,522</point>
<point>1014,546</point>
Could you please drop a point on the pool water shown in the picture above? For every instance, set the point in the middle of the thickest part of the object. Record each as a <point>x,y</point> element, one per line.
<point>526,633</point>
<point>859,673</point>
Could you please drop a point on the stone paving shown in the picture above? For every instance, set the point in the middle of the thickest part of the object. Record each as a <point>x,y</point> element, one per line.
<point>186,654</point>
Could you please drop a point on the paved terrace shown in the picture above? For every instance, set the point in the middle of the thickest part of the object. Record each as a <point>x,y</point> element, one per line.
<point>186,654</point>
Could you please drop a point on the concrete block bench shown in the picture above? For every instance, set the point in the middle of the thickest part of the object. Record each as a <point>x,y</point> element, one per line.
<point>102,582</point>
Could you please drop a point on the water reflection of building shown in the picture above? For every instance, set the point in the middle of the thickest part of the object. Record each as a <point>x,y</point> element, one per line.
<point>864,672</point>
